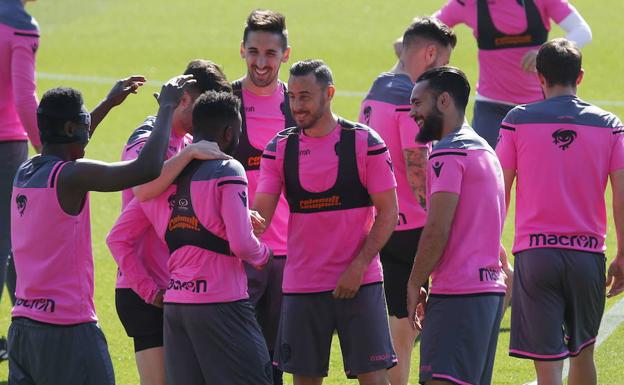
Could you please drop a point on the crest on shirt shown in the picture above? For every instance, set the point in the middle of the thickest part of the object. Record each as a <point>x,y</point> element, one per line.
<point>564,138</point>
<point>437,168</point>
<point>367,114</point>
<point>243,197</point>
<point>20,201</point>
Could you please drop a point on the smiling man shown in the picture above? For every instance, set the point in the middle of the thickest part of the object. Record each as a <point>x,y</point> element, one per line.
<point>265,112</point>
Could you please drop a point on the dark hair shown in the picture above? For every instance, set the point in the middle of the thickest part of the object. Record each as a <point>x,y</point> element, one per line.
<point>429,28</point>
<point>451,80</point>
<point>209,76</point>
<point>559,61</point>
<point>267,21</point>
<point>213,107</point>
<point>57,107</point>
<point>321,71</point>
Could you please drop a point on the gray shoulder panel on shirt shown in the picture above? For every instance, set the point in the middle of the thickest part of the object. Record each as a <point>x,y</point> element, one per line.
<point>391,88</point>
<point>35,172</point>
<point>218,168</point>
<point>465,138</point>
<point>13,14</point>
<point>563,110</point>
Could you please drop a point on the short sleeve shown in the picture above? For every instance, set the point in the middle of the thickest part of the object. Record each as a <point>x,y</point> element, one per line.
<point>446,173</point>
<point>452,13</point>
<point>506,144</point>
<point>558,9</point>
<point>616,162</point>
<point>271,179</point>
<point>379,169</point>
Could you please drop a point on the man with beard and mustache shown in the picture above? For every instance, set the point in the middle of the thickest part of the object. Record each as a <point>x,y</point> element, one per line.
<point>335,175</point>
<point>427,43</point>
<point>265,112</point>
<point>205,222</point>
<point>460,243</point>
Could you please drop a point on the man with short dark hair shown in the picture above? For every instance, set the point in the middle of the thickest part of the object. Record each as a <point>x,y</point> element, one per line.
<point>460,243</point>
<point>427,44</point>
<point>265,112</point>
<point>561,225</point>
<point>335,175</point>
<point>143,321</point>
<point>210,331</point>
<point>54,309</point>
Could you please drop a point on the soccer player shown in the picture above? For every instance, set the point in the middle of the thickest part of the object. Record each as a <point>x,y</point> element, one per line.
<point>143,321</point>
<point>54,336</point>
<point>460,243</point>
<point>205,222</point>
<point>265,112</point>
<point>561,224</point>
<point>507,45</point>
<point>427,44</point>
<point>335,175</point>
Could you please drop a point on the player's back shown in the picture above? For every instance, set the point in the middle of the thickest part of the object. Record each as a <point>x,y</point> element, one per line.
<point>563,150</point>
<point>52,249</point>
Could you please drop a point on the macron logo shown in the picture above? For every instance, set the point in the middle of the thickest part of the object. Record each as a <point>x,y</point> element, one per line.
<point>437,168</point>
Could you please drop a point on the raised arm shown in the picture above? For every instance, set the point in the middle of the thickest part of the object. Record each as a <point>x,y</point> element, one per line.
<point>88,175</point>
<point>115,97</point>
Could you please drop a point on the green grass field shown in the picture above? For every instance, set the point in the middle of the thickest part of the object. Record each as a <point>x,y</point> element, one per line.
<point>116,38</point>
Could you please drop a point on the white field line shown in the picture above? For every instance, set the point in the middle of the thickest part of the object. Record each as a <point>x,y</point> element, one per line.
<point>157,83</point>
<point>610,321</point>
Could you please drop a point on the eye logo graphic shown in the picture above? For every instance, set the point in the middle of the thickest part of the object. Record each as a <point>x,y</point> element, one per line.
<point>367,114</point>
<point>243,197</point>
<point>564,138</point>
<point>437,168</point>
<point>21,201</point>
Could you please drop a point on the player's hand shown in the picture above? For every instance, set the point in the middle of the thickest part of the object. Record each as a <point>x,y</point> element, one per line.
<point>258,223</point>
<point>206,150</point>
<point>261,267</point>
<point>416,302</point>
<point>159,299</point>
<point>172,91</point>
<point>528,61</point>
<point>398,47</point>
<point>350,281</point>
<point>615,277</point>
<point>509,276</point>
<point>123,88</point>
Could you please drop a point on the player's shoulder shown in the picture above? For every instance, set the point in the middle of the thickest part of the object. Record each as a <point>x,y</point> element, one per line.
<point>143,131</point>
<point>391,88</point>
<point>219,168</point>
<point>372,137</point>
<point>281,136</point>
<point>462,139</point>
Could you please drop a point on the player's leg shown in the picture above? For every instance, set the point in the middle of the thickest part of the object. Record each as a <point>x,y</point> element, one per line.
<point>303,343</point>
<point>181,364</point>
<point>268,310</point>
<point>549,372</point>
<point>487,119</point>
<point>144,324</point>
<point>403,339</point>
<point>584,309</point>
<point>362,324</point>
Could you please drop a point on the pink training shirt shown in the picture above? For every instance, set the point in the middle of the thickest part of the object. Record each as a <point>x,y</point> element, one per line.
<point>151,247</point>
<point>197,275</point>
<point>386,109</point>
<point>563,150</point>
<point>463,163</point>
<point>52,249</point>
<point>18,98</point>
<point>513,85</point>
<point>321,245</point>
<point>264,119</point>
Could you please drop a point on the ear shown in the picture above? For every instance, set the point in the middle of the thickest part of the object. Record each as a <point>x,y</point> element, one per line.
<point>580,77</point>
<point>286,55</point>
<point>542,80</point>
<point>331,91</point>
<point>242,49</point>
<point>431,52</point>
<point>444,101</point>
<point>69,128</point>
<point>228,134</point>
<point>186,99</point>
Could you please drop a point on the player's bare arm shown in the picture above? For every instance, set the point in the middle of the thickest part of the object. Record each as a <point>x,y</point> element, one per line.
<point>416,162</point>
<point>615,275</point>
<point>386,207</point>
<point>432,244</point>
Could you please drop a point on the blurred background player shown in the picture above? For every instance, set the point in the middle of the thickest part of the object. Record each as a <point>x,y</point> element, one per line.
<point>460,243</point>
<point>54,323</point>
<point>19,41</point>
<point>561,224</point>
<point>205,221</point>
<point>334,174</point>
<point>143,321</point>
<point>427,43</point>
<point>265,112</point>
